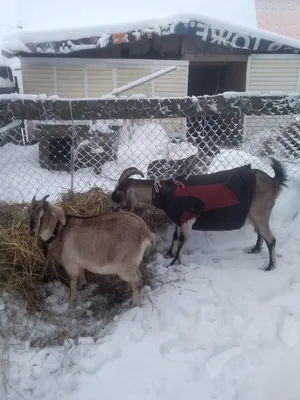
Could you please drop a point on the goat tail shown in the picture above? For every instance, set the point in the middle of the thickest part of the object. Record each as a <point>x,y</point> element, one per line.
<point>280,177</point>
<point>152,239</point>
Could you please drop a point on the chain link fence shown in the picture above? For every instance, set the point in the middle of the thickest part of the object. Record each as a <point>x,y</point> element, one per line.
<point>53,146</point>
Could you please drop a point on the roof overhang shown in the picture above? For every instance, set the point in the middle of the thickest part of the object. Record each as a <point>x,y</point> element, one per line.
<point>208,30</point>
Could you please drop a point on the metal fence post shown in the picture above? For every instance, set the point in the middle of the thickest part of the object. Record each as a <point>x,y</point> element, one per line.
<point>73,145</point>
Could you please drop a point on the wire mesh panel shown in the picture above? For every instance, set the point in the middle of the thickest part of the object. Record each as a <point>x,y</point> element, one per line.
<point>53,146</point>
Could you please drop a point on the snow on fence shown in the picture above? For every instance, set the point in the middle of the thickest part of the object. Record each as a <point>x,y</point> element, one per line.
<point>81,143</point>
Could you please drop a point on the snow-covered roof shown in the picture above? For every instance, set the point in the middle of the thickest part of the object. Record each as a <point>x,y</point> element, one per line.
<point>210,30</point>
<point>13,63</point>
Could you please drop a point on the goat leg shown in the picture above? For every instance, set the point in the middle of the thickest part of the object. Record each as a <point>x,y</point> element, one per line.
<point>132,275</point>
<point>181,242</point>
<point>258,245</point>
<point>174,242</point>
<point>136,293</point>
<point>82,279</point>
<point>183,237</point>
<point>263,229</point>
<point>73,289</point>
<point>271,248</point>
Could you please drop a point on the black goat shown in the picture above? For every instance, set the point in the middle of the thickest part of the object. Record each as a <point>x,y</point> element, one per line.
<point>222,201</point>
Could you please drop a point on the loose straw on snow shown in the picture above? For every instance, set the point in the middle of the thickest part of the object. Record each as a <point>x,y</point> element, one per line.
<point>23,266</point>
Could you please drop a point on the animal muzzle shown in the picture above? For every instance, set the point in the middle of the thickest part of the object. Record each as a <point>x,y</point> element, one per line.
<point>31,232</point>
<point>32,228</point>
<point>115,206</point>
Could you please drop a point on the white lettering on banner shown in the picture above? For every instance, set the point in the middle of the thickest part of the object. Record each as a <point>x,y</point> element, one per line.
<point>219,37</point>
<point>256,44</point>
<point>225,38</point>
<point>202,30</point>
<point>238,36</point>
<point>274,47</point>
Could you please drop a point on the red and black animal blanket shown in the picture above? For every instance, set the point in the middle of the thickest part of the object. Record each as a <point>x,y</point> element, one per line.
<point>220,200</point>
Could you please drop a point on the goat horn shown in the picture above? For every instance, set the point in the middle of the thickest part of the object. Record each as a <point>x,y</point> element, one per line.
<point>45,198</point>
<point>127,174</point>
<point>33,199</point>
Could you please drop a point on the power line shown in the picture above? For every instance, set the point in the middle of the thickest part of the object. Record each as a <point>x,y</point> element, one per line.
<point>11,26</point>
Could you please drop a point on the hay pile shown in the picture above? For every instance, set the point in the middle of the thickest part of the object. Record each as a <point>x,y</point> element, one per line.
<point>23,266</point>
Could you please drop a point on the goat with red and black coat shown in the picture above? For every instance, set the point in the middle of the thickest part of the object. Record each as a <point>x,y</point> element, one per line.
<point>221,201</point>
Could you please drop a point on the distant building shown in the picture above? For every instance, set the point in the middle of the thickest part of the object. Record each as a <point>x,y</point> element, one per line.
<point>279,16</point>
<point>211,56</point>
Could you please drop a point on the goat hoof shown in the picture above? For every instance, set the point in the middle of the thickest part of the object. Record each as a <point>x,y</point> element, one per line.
<point>254,250</point>
<point>169,254</point>
<point>174,262</point>
<point>133,305</point>
<point>270,267</point>
<point>73,304</point>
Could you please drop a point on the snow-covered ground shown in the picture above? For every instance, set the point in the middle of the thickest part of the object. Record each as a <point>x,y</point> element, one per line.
<point>216,327</point>
<point>222,328</point>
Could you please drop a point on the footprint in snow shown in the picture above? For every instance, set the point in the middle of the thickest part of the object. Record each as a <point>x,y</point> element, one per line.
<point>288,330</point>
<point>207,251</point>
<point>181,349</point>
<point>216,363</point>
<point>137,334</point>
<point>93,364</point>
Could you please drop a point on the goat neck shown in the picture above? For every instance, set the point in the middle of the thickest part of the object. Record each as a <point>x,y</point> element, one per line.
<point>161,192</point>
<point>142,189</point>
<point>51,232</point>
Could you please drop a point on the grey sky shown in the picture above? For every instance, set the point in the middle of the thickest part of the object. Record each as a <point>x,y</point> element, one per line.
<point>38,14</point>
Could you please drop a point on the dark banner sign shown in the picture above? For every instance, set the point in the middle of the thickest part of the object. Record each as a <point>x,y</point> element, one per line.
<point>196,29</point>
<point>227,38</point>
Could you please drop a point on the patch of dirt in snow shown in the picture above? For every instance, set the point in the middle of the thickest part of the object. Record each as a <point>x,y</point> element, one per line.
<point>92,315</point>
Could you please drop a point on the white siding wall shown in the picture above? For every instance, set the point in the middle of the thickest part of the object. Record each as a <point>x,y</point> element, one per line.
<point>272,73</point>
<point>172,85</point>
<point>93,77</point>
<point>69,81</point>
<point>99,81</point>
<point>38,79</point>
<point>269,73</point>
<point>73,78</point>
<point>127,75</point>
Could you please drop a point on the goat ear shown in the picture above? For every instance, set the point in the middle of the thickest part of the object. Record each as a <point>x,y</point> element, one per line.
<point>59,213</point>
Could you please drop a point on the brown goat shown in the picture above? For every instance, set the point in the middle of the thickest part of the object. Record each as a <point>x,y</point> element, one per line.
<point>260,202</point>
<point>129,191</point>
<point>114,243</point>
